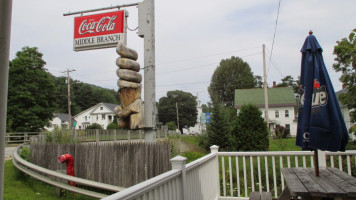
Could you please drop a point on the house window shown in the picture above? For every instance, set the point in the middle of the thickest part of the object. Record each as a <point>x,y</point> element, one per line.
<point>276,113</point>
<point>286,113</point>
<point>86,118</point>
<point>97,117</point>
<point>101,108</point>
<point>110,117</point>
<point>288,126</point>
<point>103,116</point>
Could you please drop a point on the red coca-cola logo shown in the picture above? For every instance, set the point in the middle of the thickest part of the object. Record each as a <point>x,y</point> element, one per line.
<point>100,24</point>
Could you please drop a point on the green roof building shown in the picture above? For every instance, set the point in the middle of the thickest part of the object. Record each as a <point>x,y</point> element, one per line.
<point>281,103</point>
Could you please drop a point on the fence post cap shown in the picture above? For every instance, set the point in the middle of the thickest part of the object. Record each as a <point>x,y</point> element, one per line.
<point>214,149</point>
<point>178,162</point>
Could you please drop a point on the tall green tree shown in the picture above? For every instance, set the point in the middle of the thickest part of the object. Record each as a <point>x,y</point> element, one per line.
<point>31,100</point>
<point>187,109</point>
<point>219,129</point>
<point>231,74</point>
<point>288,81</point>
<point>250,132</point>
<point>345,52</point>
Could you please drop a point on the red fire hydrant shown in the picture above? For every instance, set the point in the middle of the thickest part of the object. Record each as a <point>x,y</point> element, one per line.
<point>68,159</point>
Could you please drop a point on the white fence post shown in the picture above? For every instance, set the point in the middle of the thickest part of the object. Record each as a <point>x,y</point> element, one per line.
<point>178,162</point>
<point>321,158</point>
<point>214,149</point>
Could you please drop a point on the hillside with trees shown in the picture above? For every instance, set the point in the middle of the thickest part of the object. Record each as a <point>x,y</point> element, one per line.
<point>34,94</point>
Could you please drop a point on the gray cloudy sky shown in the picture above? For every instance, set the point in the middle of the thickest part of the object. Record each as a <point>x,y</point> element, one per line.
<point>191,38</point>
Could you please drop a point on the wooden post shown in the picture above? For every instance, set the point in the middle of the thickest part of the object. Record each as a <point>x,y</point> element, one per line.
<point>316,161</point>
<point>115,135</point>
<point>128,136</point>
<point>97,136</point>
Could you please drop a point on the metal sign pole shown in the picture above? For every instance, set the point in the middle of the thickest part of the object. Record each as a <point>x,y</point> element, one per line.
<point>5,30</point>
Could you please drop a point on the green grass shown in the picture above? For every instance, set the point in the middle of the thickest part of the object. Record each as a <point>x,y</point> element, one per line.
<point>276,145</point>
<point>21,186</point>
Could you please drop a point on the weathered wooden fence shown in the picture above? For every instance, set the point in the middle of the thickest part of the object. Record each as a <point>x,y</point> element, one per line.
<point>120,164</point>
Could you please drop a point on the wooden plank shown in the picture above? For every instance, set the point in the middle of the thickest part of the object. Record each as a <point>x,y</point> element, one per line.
<point>296,188</point>
<point>347,182</point>
<point>314,189</point>
<point>324,181</point>
<point>266,196</point>
<point>255,196</point>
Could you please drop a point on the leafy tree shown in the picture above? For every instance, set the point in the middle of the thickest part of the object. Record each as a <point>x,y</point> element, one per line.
<point>231,74</point>
<point>187,109</point>
<point>219,131</point>
<point>345,52</point>
<point>250,132</point>
<point>31,100</point>
<point>288,81</point>
<point>94,126</point>
<point>171,126</point>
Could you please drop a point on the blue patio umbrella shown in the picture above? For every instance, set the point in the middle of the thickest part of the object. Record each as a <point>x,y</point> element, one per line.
<point>320,122</point>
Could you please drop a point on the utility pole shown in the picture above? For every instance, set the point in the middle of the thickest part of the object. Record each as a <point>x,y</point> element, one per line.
<point>146,29</point>
<point>265,85</point>
<point>177,116</point>
<point>5,30</point>
<point>68,91</point>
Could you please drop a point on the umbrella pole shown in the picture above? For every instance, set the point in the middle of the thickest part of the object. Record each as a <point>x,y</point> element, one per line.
<point>316,161</point>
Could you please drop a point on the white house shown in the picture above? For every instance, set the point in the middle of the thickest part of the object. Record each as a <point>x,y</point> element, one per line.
<point>281,103</point>
<point>59,120</point>
<point>102,113</point>
<point>345,111</point>
<point>199,127</point>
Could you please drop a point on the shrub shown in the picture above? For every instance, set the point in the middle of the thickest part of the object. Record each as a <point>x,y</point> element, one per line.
<point>25,153</point>
<point>112,126</point>
<point>171,126</point>
<point>94,126</point>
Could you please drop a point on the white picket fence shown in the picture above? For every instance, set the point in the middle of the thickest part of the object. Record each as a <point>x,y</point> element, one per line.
<point>241,173</point>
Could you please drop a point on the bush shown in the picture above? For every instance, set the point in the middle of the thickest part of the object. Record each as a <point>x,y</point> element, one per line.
<point>25,153</point>
<point>112,126</point>
<point>171,126</point>
<point>281,132</point>
<point>94,126</point>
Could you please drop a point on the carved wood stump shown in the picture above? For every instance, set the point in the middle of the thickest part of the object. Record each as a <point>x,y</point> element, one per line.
<point>130,113</point>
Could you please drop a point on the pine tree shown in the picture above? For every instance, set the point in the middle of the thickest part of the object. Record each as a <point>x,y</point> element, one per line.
<point>250,132</point>
<point>219,131</point>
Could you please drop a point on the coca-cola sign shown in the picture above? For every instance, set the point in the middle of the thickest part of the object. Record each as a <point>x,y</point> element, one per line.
<point>99,31</point>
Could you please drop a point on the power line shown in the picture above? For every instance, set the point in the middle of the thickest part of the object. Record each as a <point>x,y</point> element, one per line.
<point>190,59</point>
<point>274,34</point>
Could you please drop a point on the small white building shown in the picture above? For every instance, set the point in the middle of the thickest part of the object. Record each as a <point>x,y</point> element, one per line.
<point>281,102</point>
<point>102,113</point>
<point>59,120</point>
<point>199,127</point>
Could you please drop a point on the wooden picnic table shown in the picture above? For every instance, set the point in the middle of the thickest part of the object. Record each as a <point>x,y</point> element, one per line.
<point>331,183</point>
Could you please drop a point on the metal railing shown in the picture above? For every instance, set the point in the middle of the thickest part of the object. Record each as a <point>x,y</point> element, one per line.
<point>57,179</point>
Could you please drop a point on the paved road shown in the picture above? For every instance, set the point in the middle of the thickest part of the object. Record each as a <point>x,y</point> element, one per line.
<point>9,151</point>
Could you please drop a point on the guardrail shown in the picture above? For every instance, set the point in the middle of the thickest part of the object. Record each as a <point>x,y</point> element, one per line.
<point>56,179</point>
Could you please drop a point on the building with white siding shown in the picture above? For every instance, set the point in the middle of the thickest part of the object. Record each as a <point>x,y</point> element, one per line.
<point>102,114</point>
<point>281,102</point>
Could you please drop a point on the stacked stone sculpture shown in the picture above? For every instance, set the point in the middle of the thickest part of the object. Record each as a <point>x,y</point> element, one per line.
<point>130,113</point>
